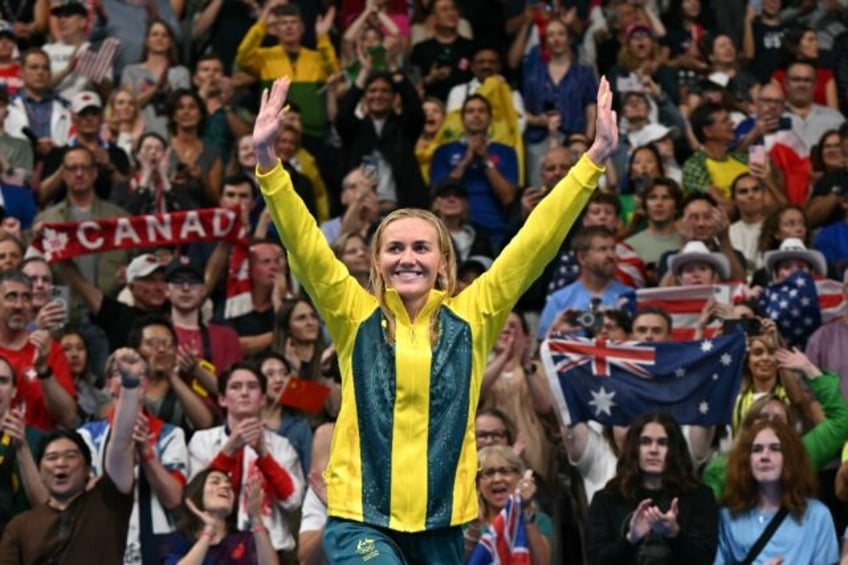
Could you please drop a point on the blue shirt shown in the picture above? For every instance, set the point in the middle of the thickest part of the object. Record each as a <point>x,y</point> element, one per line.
<point>577,89</point>
<point>296,429</point>
<point>812,541</point>
<point>577,296</point>
<point>38,114</point>
<point>486,210</point>
<point>832,241</point>
<point>19,203</point>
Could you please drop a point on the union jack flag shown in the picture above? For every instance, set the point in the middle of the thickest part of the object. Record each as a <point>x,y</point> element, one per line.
<point>694,382</point>
<point>600,353</point>
<point>505,541</point>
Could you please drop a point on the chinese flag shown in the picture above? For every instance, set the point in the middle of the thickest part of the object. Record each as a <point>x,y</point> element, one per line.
<point>305,395</point>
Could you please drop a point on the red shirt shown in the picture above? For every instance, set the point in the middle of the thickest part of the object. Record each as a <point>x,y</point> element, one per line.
<point>29,387</point>
<point>223,344</point>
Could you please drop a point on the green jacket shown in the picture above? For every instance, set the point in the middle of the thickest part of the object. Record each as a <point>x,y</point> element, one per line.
<point>822,443</point>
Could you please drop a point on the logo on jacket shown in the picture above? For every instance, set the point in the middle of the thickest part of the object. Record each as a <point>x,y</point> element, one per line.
<point>366,549</point>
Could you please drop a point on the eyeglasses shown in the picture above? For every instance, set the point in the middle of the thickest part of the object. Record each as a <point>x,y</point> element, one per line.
<point>496,435</point>
<point>775,101</point>
<point>801,79</point>
<point>503,471</point>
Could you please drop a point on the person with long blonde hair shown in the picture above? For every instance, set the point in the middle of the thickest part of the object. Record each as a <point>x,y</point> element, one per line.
<point>411,354</point>
<point>122,121</point>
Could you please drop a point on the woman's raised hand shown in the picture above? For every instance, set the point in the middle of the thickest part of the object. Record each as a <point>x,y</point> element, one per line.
<point>269,121</point>
<point>606,128</point>
<point>208,519</point>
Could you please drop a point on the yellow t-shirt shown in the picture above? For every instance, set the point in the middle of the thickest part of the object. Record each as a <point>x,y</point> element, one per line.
<point>723,173</point>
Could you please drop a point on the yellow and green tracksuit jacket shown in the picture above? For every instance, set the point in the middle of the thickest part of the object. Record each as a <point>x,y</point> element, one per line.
<point>308,72</point>
<point>403,454</point>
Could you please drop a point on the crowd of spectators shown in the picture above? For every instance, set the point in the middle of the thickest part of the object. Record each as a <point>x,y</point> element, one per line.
<point>142,420</point>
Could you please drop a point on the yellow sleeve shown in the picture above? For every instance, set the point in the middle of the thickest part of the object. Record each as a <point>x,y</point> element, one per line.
<point>336,294</point>
<point>522,261</point>
<point>845,452</point>
<point>248,58</point>
<point>330,62</point>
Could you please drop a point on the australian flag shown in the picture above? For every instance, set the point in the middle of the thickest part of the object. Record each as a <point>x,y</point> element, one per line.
<point>694,382</point>
<point>800,304</point>
<point>505,541</point>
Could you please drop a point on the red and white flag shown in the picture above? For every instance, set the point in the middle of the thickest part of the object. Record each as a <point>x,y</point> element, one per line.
<point>685,303</point>
<point>97,65</point>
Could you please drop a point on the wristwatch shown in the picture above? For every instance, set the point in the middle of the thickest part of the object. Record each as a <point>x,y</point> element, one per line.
<point>490,164</point>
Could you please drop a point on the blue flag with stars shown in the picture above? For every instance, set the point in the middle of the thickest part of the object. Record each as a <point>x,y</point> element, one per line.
<point>794,305</point>
<point>694,382</point>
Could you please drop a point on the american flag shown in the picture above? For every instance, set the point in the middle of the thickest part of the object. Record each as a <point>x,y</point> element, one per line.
<point>505,541</point>
<point>631,269</point>
<point>96,65</point>
<point>684,305</point>
<point>800,304</point>
<point>695,382</point>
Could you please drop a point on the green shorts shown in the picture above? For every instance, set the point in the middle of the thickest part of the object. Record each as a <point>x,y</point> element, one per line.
<point>347,542</point>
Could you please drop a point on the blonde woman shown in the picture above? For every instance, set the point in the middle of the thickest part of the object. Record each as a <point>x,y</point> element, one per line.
<point>412,355</point>
<point>122,123</point>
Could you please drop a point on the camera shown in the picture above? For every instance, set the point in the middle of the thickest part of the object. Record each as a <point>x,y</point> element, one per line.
<point>640,184</point>
<point>590,320</point>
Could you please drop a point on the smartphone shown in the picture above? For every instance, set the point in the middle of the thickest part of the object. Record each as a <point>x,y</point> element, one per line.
<point>370,167</point>
<point>722,294</point>
<point>785,123</point>
<point>751,326</point>
<point>61,295</point>
<point>640,184</point>
<point>757,155</point>
<point>549,107</point>
<point>444,58</point>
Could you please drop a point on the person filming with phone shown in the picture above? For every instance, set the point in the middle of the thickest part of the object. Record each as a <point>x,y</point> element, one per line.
<point>49,301</point>
<point>771,144</point>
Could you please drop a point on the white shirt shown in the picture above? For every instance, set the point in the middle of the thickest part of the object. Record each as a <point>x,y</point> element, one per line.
<point>313,514</point>
<point>205,446</point>
<point>597,465</point>
<point>744,237</point>
<point>60,57</point>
